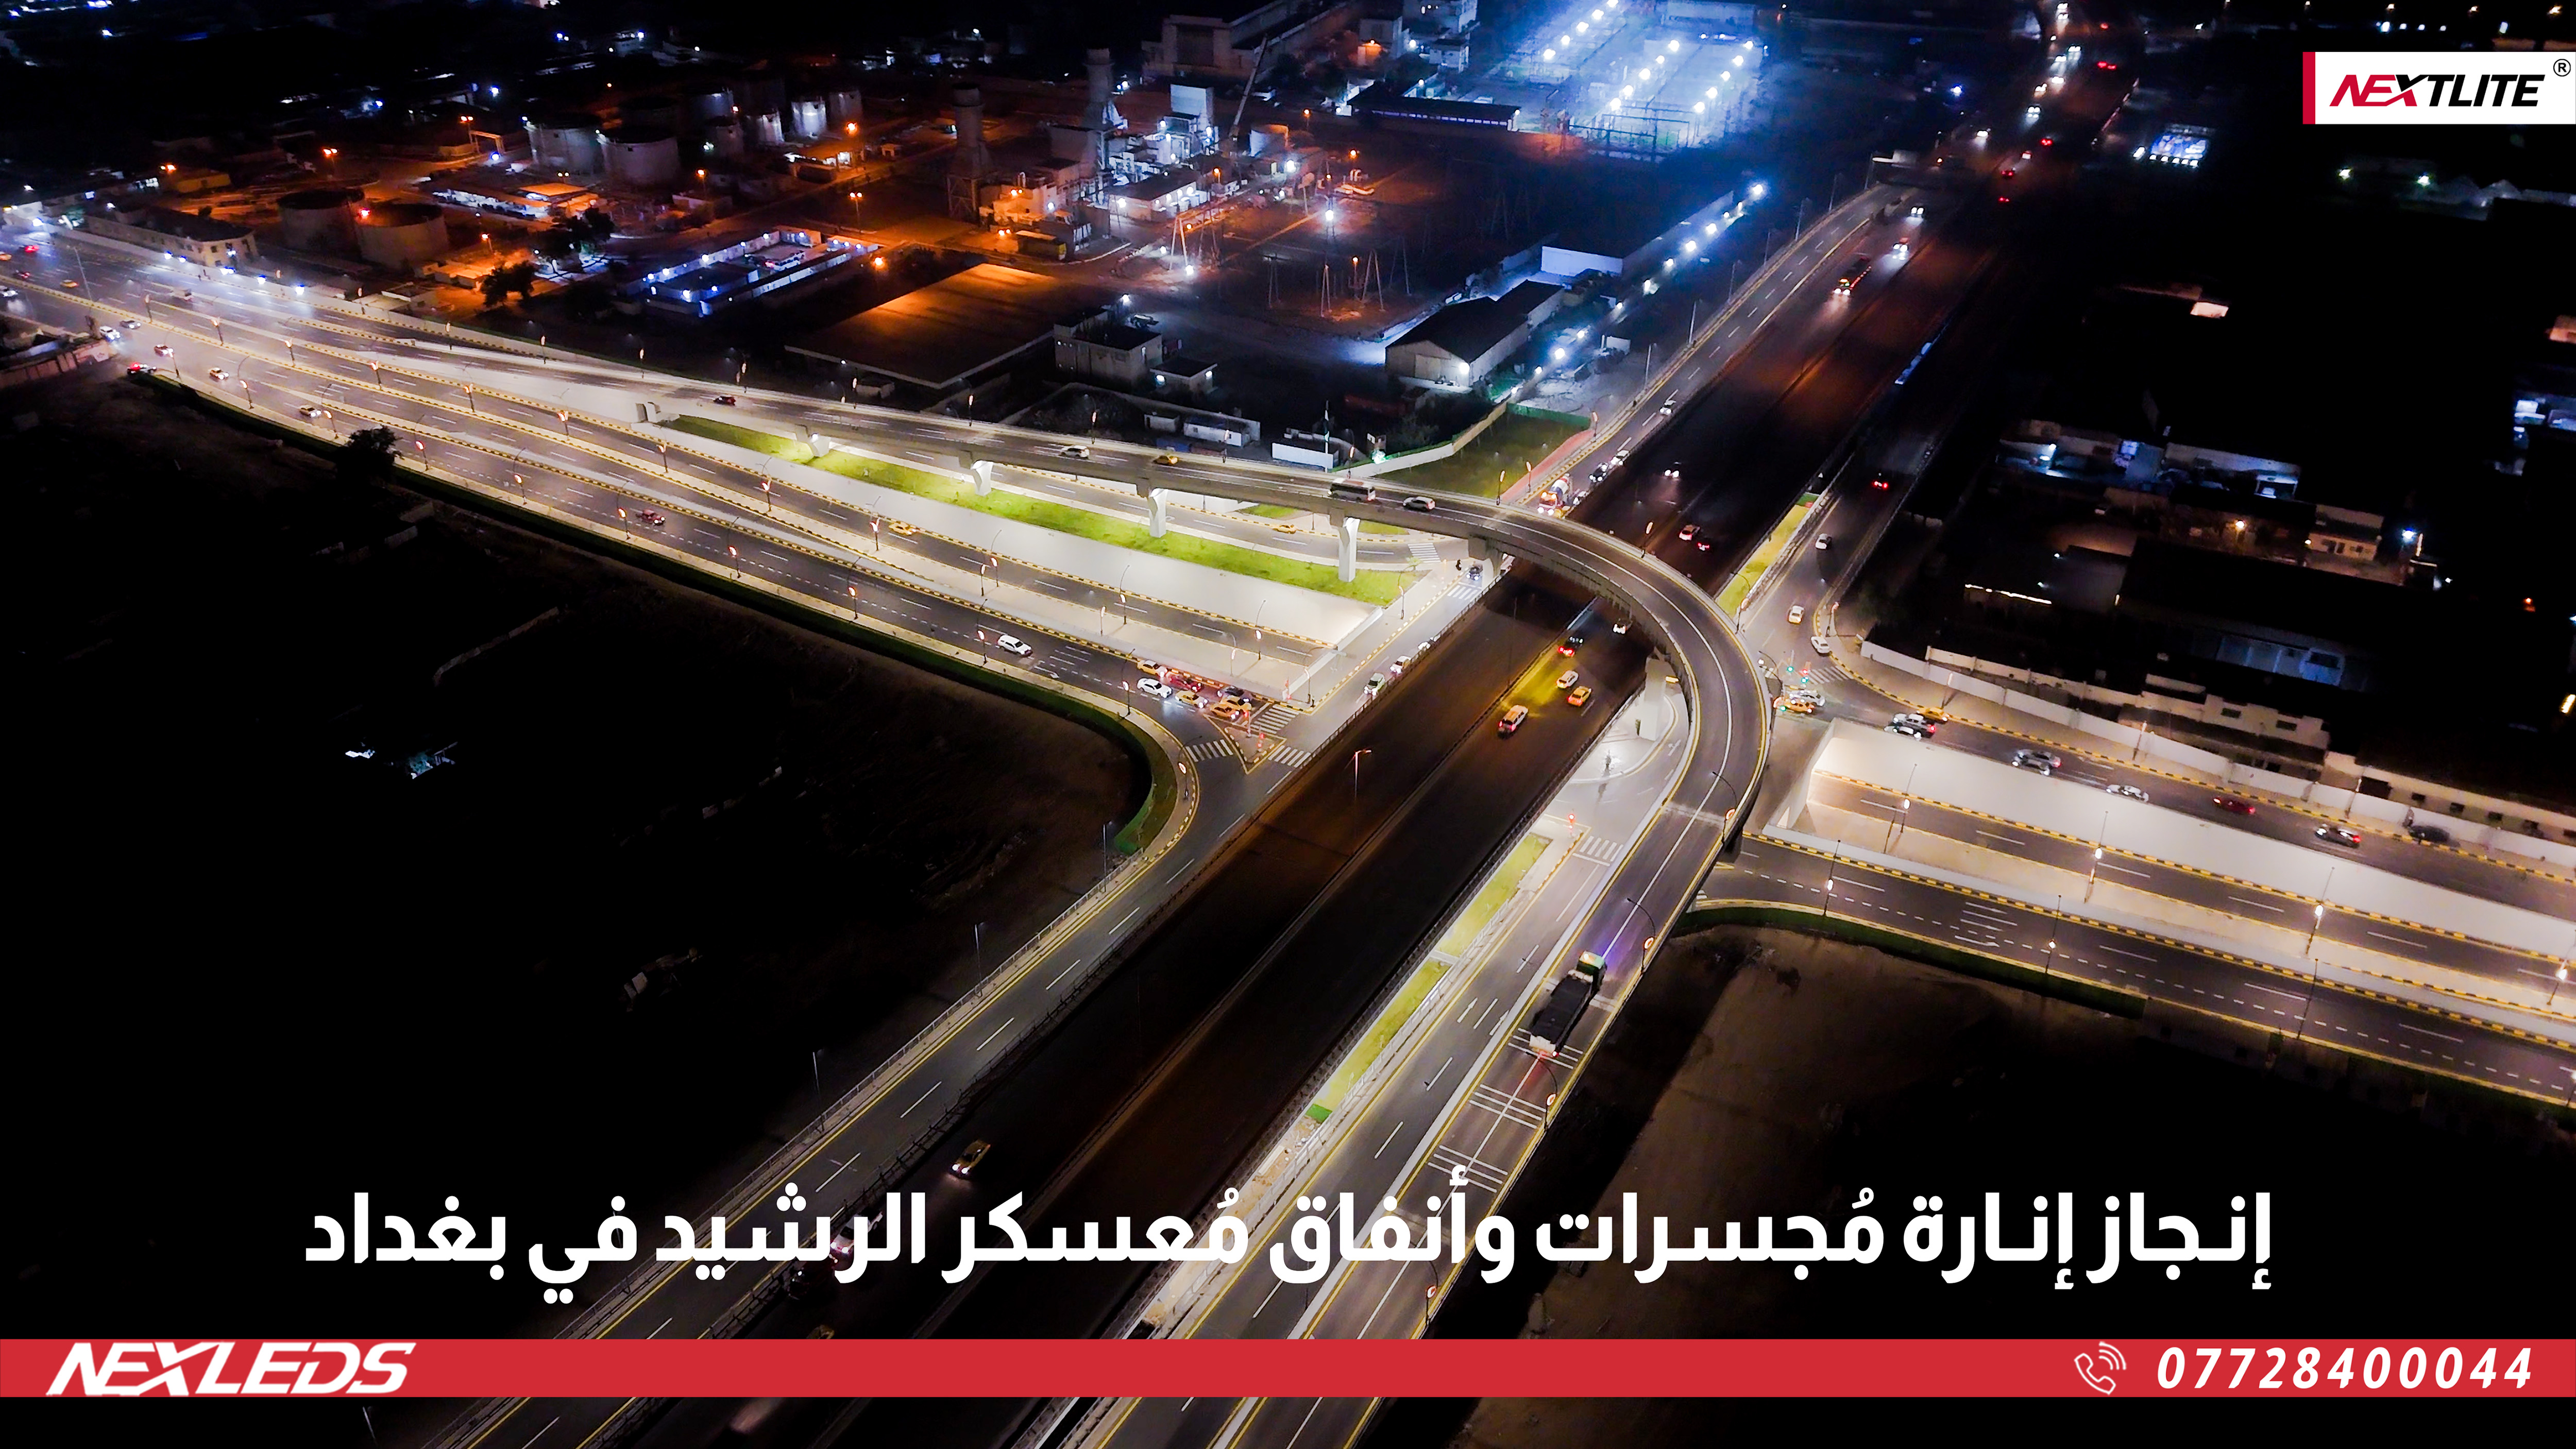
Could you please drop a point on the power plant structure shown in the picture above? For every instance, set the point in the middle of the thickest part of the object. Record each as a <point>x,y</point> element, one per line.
<point>401,236</point>
<point>323,221</point>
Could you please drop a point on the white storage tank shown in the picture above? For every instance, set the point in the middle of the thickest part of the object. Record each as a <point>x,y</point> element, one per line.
<point>322,220</point>
<point>764,128</point>
<point>1269,139</point>
<point>566,144</point>
<point>841,110</point>
<point>805,117</point>
<point>643,157</point>
<point>711,105</point>
<point>402,236</point>
<point>724,138</point>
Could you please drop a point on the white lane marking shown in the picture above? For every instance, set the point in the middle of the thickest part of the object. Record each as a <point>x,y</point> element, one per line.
<point>2420,1031</point>
<point>917,1101</point>
<point>1389,1142</point>
<point>2258,905</point>
<point>997,1031</point>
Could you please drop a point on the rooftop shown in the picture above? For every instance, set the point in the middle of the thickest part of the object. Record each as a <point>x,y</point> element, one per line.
<point>943,333</point>
<point>1470,329</point>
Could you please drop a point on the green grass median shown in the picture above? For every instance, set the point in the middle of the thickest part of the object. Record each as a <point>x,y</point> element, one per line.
<point>1741,587</point>
<point>1370,586</point>
<point>1511,447</point>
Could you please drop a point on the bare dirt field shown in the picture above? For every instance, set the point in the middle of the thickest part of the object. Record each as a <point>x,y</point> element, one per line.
<point>256,973</point>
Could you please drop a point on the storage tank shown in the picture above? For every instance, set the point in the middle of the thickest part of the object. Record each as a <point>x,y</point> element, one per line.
<point>402,236</point>
<point>643,157</point>
<point>841,110</point>
<point>1269,139</point>
<point>321,220</point>
<point>764,128</point>
<point>566,143</point>
<point>724,138</point>
<point>805,117</point>
<point>713,104</point>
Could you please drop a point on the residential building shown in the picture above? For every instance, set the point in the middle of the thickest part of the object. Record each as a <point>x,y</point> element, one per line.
<point>200,239</point>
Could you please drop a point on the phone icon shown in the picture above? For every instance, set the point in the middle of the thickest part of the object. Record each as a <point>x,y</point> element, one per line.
<point>2096,1373</point>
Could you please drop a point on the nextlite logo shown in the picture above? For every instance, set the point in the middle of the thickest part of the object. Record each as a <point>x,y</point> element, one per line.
<point>179,1370</point>
<point>2437,88</point>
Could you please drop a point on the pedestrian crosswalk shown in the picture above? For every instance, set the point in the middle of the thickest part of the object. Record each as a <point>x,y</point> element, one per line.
<point>1219,748</point>
<point>1425,552</point>
<point>1290,756</point>
<point>1273,718</point>
<point>1598,847</point>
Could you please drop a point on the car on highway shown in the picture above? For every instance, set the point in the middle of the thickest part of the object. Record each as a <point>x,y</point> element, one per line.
<point>29,249</point>
<point>217,373</point>
<point>1396,669</point>
<point>1689,531</point>
<point>1672,472</point>
<point>2040,760</point>
<point>1511,719</point>
<point>1667,409</point>
<point>1914,213</point>
<point>1797,705</point>
<point>132,368</point>
<point>2232,805</point>
<point>26,276</point>
<point>1154,687</point>
<point>1580,697</point>
<point>723,400</point>
<point>162,352</point>
<point>1820,644</point>
<point>968,1160</point>
<point>1910,731</point>
<point>1858,268</point>
<point>1881,482</point>
<point>1073,450</point>
<point>1013,644</point>
<point>1824,541</point>
<point>2337,835</point>
<point>1916,721</point>
<point>1419,504</point>
<point>8,294</point>
<point>310,411</point>
<point>1568,679</point>
<point>1369,691</point>
<point>130,322</point>
<point>72,283</point>
<point>1571,643</point>
<point>1619,457</point>
<point>649,517</point>
<point>1187,696</point>
<point>2126,792</point>
<point>1167,460</point>
<point>897,525</point>
<point>1797,613</point>
<point>1599,470</point>
<point>111,334</point>
<point>2428,834</point>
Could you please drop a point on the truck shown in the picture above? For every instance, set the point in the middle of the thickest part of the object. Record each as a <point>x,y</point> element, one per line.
<point>1573,992</point>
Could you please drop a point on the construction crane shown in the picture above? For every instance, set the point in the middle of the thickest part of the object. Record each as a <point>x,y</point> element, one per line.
<point>1234,140</point>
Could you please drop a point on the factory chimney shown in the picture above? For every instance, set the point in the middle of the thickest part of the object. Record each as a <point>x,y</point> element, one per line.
<point>1099,112</point>
<point>970,158</point>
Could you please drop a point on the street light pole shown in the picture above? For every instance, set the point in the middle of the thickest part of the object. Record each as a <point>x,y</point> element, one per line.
<point>1355,773</point>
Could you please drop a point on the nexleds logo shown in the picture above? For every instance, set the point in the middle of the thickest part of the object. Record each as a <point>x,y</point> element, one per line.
<point>224,1366</point>
<point>2437,88</point>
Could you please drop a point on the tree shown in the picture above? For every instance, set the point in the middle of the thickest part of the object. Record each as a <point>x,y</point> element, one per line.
<point>496,286</point>
<point>559,244</point>
<point>520,277</point>
<point>368,454</point>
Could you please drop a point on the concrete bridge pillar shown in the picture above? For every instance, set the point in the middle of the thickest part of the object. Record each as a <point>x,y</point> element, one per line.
<point>1160,517</point>
<point>983,472</point>
<point>1346,541</point>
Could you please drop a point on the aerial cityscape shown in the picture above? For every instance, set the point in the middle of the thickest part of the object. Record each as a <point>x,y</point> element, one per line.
<point>1044,705</point>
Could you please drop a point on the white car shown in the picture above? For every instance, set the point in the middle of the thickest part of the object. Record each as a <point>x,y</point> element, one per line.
<point>1154,687</point>
<point>2126,792</point>
<point>1822,644</point>
<point>1797,613</point>
<point>1014,646</point>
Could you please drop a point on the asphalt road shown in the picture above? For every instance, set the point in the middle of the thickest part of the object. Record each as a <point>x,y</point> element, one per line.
<point>1774,874</point>
<point>2280,909</point>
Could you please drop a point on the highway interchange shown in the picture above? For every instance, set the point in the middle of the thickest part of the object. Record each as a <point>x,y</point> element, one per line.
<point>1270,855</point>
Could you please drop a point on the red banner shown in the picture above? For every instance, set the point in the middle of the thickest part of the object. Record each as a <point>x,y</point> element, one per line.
<point>1250,1368</point>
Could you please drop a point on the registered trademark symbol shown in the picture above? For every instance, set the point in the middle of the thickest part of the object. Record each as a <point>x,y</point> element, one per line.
<point>2558,66</point>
